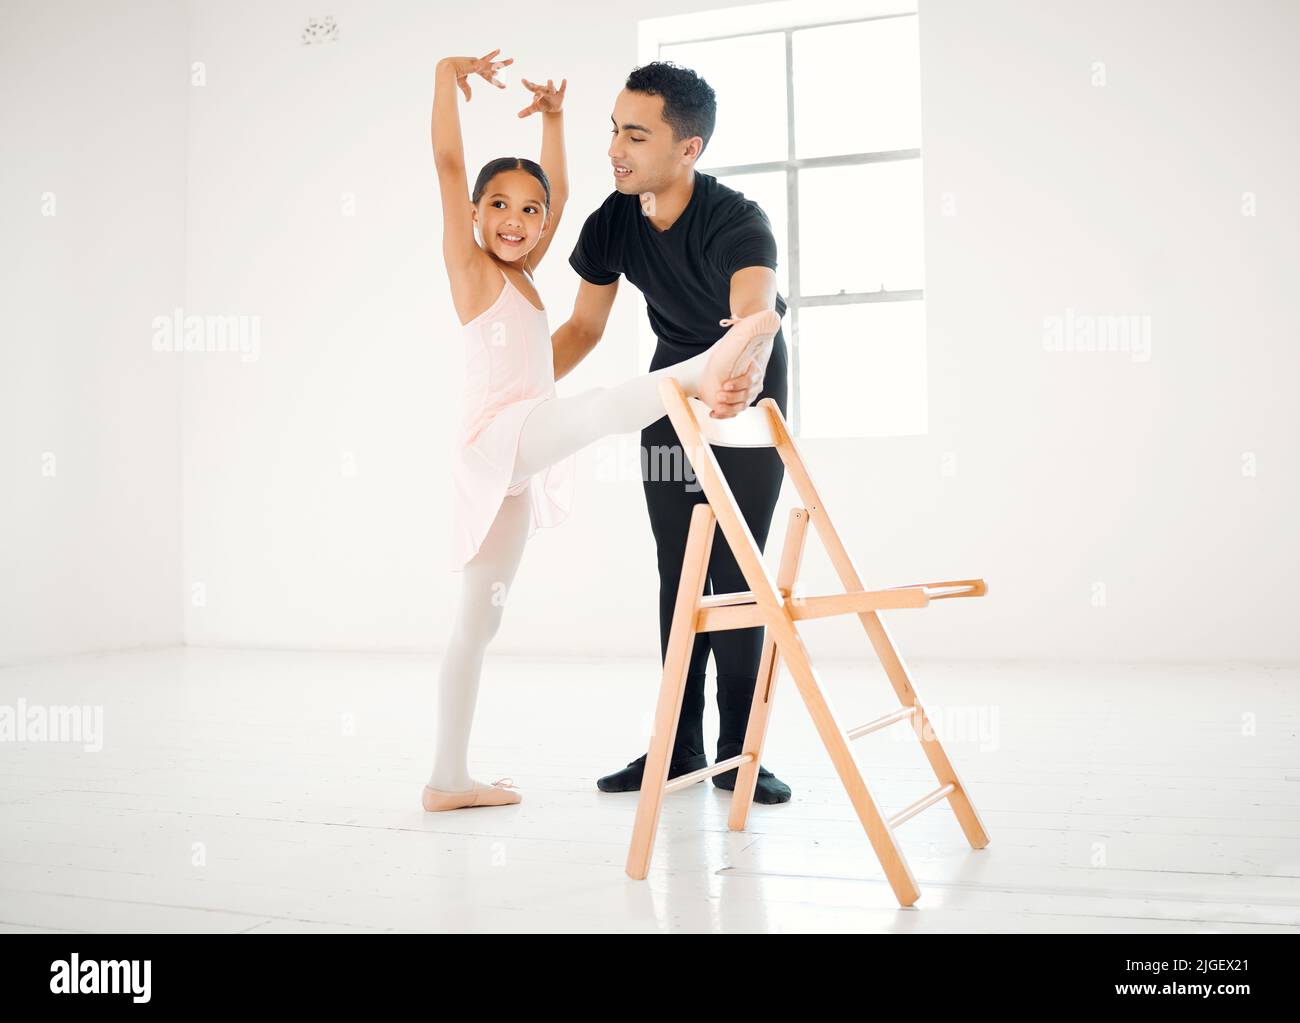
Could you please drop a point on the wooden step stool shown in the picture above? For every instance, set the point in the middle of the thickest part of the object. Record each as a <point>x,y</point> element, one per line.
<point>772,603</point>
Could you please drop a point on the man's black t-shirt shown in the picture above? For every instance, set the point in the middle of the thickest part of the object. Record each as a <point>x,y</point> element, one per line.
<point>683,272</point>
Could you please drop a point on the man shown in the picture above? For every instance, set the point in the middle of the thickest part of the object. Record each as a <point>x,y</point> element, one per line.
<point>699,252</point>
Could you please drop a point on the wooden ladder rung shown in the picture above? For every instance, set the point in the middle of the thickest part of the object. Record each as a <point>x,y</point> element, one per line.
<point>857,600</point>
<point>733,614</point>
<point>959,588</point>
<point>926,801</point>
<point>727,599</point>
<point>902,714</point>
<point>722,766</point>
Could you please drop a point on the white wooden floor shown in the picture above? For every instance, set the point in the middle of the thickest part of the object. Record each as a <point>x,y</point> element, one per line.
<point>249,791</point>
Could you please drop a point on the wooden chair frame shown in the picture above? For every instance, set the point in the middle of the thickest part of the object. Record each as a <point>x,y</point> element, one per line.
<point>772,603</point>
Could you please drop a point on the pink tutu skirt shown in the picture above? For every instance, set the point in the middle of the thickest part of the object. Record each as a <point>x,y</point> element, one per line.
<point>481,469</point>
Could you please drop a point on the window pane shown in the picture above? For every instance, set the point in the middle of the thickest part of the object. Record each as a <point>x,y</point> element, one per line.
<point>768,190</point>
<point>860,228</point>
<point>865,103</point>
<point>748,76</point>
<point>862,370</point>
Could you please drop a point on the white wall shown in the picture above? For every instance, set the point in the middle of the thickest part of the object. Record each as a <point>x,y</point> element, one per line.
<point>1080,468</point>
<point>1071,469</point>
<point>92,111</point>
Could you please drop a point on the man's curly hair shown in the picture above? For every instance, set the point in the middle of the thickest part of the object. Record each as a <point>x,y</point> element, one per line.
<point>690,105</point>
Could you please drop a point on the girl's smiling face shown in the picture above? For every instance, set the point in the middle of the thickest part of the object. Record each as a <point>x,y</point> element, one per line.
<point>511,215</point>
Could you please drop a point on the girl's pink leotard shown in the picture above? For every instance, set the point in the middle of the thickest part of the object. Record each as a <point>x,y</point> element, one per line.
<point>508,371</point>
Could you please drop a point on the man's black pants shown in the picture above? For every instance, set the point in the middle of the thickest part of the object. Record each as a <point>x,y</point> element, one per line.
<point>754,475</point>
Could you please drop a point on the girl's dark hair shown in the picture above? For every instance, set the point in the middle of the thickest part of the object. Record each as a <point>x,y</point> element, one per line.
<point>505,163</point>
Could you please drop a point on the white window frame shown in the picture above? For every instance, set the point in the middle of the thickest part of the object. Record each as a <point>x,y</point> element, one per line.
<point>766,19</point>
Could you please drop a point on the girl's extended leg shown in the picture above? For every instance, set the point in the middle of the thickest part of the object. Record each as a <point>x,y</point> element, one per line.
<point>485,585</point>
<point>561,426</point>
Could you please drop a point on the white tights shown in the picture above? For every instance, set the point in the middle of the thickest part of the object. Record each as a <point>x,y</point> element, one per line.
<point>552,430</point>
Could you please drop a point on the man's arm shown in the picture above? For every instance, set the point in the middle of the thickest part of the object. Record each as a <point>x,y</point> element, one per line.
<point>753,289</point>
<point>578,335</point>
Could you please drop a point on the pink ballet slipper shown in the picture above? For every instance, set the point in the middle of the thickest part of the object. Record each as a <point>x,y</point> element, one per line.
<point>500,793</point>
<point>749,339</point>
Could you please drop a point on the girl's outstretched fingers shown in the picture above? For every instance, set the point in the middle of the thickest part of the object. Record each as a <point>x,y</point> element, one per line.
<point>546,98</point>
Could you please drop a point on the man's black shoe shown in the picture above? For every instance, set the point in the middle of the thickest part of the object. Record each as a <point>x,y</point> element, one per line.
<point>629,778</point>
<point>769,788</point>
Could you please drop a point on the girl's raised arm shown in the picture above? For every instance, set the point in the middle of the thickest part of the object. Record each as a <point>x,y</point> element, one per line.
<point>459,249</point>
<point>550,101</point>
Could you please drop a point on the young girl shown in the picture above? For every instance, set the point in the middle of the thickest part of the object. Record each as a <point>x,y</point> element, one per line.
<point>513,453</point>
